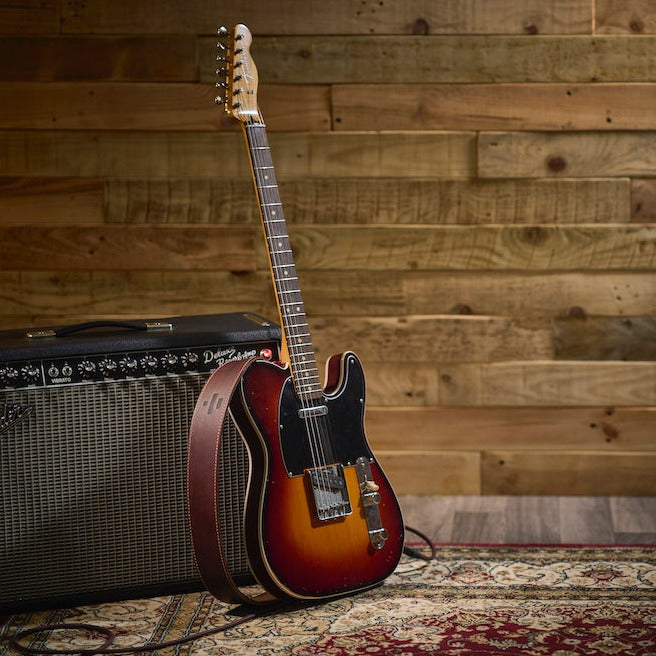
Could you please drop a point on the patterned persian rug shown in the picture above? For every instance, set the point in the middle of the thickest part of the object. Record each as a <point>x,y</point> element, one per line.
<point>471,600</point>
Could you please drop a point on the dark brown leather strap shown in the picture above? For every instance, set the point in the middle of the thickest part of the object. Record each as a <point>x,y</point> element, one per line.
<point>203,466</point>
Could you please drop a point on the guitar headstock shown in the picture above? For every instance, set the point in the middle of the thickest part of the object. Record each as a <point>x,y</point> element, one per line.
<point>237,73</point>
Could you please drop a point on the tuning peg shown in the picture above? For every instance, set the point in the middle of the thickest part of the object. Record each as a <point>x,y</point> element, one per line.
<point>239,37</point>
<point>237,78</point>
<point>220,45</point>
<point>237,64</point>
<point>221,85</point>
<point>221,71</point>
<point>235,105</point>
<point>221,58</point>
<point>218,100</point>
<point>222,31</point>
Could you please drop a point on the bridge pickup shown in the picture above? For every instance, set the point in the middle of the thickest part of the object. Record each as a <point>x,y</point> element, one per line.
<point>314,411</point>
<point>330,493</point>
<point>370,500</point>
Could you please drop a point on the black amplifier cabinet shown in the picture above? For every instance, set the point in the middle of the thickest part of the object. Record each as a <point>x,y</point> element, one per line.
<point>93,438</point>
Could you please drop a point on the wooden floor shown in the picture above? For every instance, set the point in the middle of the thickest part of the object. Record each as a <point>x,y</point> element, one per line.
<point>533,520</point>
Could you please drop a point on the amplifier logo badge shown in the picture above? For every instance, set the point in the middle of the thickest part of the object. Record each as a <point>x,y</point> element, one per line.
<point>12,413</point>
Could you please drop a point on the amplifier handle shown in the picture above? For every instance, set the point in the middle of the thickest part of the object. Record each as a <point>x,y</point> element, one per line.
<point>130,325</point>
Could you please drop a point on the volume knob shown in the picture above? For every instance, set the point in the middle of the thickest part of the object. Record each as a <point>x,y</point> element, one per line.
<point>128,365</point>
<point>86,368</point>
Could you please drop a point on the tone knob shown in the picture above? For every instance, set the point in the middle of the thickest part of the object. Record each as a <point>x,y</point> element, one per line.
<point>128,365</point>
<point>8,375</point>
<point>169,361</point>
<point>86,368</point>
<point>189,360</point>
<point>107,367</point>
<point>31,373</point>
<point>149,363</point>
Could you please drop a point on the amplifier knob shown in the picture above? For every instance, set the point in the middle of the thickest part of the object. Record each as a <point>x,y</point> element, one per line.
<point>107,367</point>
<point>86,368</point>
<point>128,365</point>
<point>67,370</point>
<point>31,373</point>
<point>149,363</point>
<point>8,375</point>
<point>169,361</point>
<point>190,360</point>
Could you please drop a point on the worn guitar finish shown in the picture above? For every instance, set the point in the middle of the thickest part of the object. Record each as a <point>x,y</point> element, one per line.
<point>291,550</point>
<point>321,518</point>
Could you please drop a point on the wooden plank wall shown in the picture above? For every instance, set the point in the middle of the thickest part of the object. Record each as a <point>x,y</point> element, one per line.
<point>471,188</point>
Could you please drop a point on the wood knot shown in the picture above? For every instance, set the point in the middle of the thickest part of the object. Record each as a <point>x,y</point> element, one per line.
<point>420,26</point>
<point>576,312</point>
<point>556,163</point>
<point>462,308</point>
<point>305,53</point>
<point>535,235</point>
<point>531,28</point>
<point>637,26</point>
<point>610,432</point>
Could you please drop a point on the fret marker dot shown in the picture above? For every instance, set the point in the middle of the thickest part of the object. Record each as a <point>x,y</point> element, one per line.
<point>273,212</point>
<point>285,272</point>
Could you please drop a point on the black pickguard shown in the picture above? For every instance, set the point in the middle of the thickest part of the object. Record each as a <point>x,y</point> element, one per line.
<point>343,438</point>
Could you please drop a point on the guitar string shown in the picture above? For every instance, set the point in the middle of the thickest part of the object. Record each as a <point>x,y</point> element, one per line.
<point>318,426</point>
<point>294,343</point>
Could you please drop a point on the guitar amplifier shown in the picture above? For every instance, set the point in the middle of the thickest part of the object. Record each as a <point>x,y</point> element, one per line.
<point>94,422</point>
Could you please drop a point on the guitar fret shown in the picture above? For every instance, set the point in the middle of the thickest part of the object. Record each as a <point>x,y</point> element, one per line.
<point>260,148</point>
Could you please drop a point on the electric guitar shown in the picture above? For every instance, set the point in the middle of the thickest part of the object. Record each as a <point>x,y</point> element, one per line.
<point>321,518</point>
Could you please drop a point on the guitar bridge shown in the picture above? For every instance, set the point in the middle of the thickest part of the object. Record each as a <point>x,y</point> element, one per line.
<point>330,493</point>
<point>370,500</point>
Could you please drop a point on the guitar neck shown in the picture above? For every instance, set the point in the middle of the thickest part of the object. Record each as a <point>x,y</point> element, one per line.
<point>296,332</point>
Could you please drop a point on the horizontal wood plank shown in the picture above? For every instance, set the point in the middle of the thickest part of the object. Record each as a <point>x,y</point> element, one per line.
<point>37,297</point>
<point>605,338</point>
<point>527,429</point>
<point>431,339</point>
<point>568,473</point>
<point>431,472</point>
<point>547,383</point>
<point>643,199</point>
<point>494,106</point>
<point>30,17</point>
<point>51,200</point>
<point>332,17</point>
<point>536,248</point>
<point>151,106</point>
<point>36,247</point>
<point>446,59</point>
<point>373,201</point>
<point>138,155</point>
<point>627,17</point>
<point>120,58</point>
<point>530,295</point>
<point>540,154</point>
<point>122,293</point>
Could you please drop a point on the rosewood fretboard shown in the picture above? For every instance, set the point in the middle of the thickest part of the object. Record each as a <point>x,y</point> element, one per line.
<point>286,284</point>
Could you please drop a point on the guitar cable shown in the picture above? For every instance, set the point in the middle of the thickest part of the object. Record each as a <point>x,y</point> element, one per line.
<point>109,635</point>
